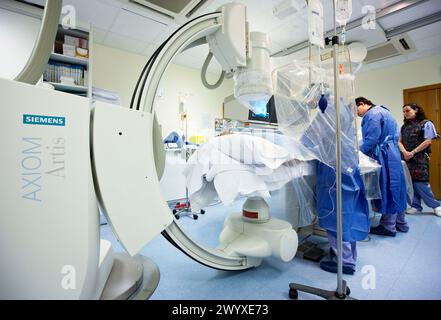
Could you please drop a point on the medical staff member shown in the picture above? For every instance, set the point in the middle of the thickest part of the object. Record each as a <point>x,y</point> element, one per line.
<point>416,137</point>
<point>355,215</point>
<point>319,138</point>
<point>380,142</point>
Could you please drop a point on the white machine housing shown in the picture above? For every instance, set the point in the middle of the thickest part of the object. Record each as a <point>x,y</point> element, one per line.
<point>126,181</point>
<point>254,234</point>
<point>229,43</point>
<point>252,84</point>
<point>49,216</point>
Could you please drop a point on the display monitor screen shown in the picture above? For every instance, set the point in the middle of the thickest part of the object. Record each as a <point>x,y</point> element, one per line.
<point>262,111</point>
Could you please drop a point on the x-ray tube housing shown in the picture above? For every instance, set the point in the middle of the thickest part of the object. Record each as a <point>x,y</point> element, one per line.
<point>252,84</point>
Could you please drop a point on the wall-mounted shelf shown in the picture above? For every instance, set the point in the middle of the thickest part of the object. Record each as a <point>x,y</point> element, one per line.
<point>67,59</point>
<point>75,67</point>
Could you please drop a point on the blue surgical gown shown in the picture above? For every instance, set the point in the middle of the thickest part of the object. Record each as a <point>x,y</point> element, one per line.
<point>380,141</point>
<point>355,208</point>
<point>320,139</point>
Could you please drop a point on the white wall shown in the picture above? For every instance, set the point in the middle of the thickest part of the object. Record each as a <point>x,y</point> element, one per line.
<point>18,34</point>
<point>118,70</point>
<point>385,86</point>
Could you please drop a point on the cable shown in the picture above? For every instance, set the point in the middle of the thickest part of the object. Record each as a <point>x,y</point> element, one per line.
<point>331,198</point>
<point>204,74</point>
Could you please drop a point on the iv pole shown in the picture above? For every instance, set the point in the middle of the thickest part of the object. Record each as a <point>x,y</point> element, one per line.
<point>342,292</point>
<point>340,281</point>
<point>184,209</point>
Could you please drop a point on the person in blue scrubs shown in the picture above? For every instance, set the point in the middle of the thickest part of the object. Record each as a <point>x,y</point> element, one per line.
<point>415,142</point>
<point>319,138</point>
<point>380,142</point>
<point>355,215</point>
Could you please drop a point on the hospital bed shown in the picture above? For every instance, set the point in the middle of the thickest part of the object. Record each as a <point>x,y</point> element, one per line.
<point>262,164</point>
<point>271,170</point>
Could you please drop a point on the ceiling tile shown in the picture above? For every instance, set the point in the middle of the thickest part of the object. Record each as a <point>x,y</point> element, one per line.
<point>86,11</point>
<point>124,43</point>
<point>137,26</point>
<point>149,49</point>
<point>426,32</point>
<point>165,33</point>
<point>428,43</point>
<point>212,6</point>
<point>377,3</point>
<point>265,21</point>
<point>368,37</point>
<point>357,10</point>
<point>113,3</point>
<point>140,33</point>
<point>419,11</point>
<point>288,36</point>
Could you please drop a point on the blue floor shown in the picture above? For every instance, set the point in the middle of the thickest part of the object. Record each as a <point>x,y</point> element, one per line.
<point>404,267</point>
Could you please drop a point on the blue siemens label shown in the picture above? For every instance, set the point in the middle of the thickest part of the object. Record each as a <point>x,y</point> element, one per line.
<point>44,120</point>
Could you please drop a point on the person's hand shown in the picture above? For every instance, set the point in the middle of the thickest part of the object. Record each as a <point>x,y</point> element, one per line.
<point>408,155</point>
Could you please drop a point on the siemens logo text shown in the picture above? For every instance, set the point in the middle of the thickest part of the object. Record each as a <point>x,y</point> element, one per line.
<point>44,120</point>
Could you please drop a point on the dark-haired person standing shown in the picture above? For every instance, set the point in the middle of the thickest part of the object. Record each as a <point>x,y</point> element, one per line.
<point>416,137</point>
<point>380,142</point>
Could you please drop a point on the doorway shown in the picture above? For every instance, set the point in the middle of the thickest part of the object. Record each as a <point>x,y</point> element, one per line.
<point>429,98</point>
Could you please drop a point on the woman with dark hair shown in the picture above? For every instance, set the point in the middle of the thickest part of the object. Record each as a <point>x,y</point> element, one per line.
<point>416,137</point>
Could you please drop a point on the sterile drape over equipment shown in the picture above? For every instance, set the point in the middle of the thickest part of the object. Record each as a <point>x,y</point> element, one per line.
<point>313,132</point>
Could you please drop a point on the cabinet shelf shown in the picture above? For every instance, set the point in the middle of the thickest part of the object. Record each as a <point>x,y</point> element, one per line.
<point>68,59</point>
<point>75,67</point>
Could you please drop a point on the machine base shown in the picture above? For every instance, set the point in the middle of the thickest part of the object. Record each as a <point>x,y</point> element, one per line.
<point>260,239</point>
<point>134,278</point>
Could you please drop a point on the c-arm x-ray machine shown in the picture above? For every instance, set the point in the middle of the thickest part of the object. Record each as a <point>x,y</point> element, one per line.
<point>63,158</point>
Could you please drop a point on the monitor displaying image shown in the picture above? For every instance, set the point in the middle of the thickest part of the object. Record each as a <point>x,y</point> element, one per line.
<point>265,112</point>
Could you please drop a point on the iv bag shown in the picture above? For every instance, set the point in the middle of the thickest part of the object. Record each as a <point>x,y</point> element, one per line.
<point>315,23</point>
<point>343,11</point>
